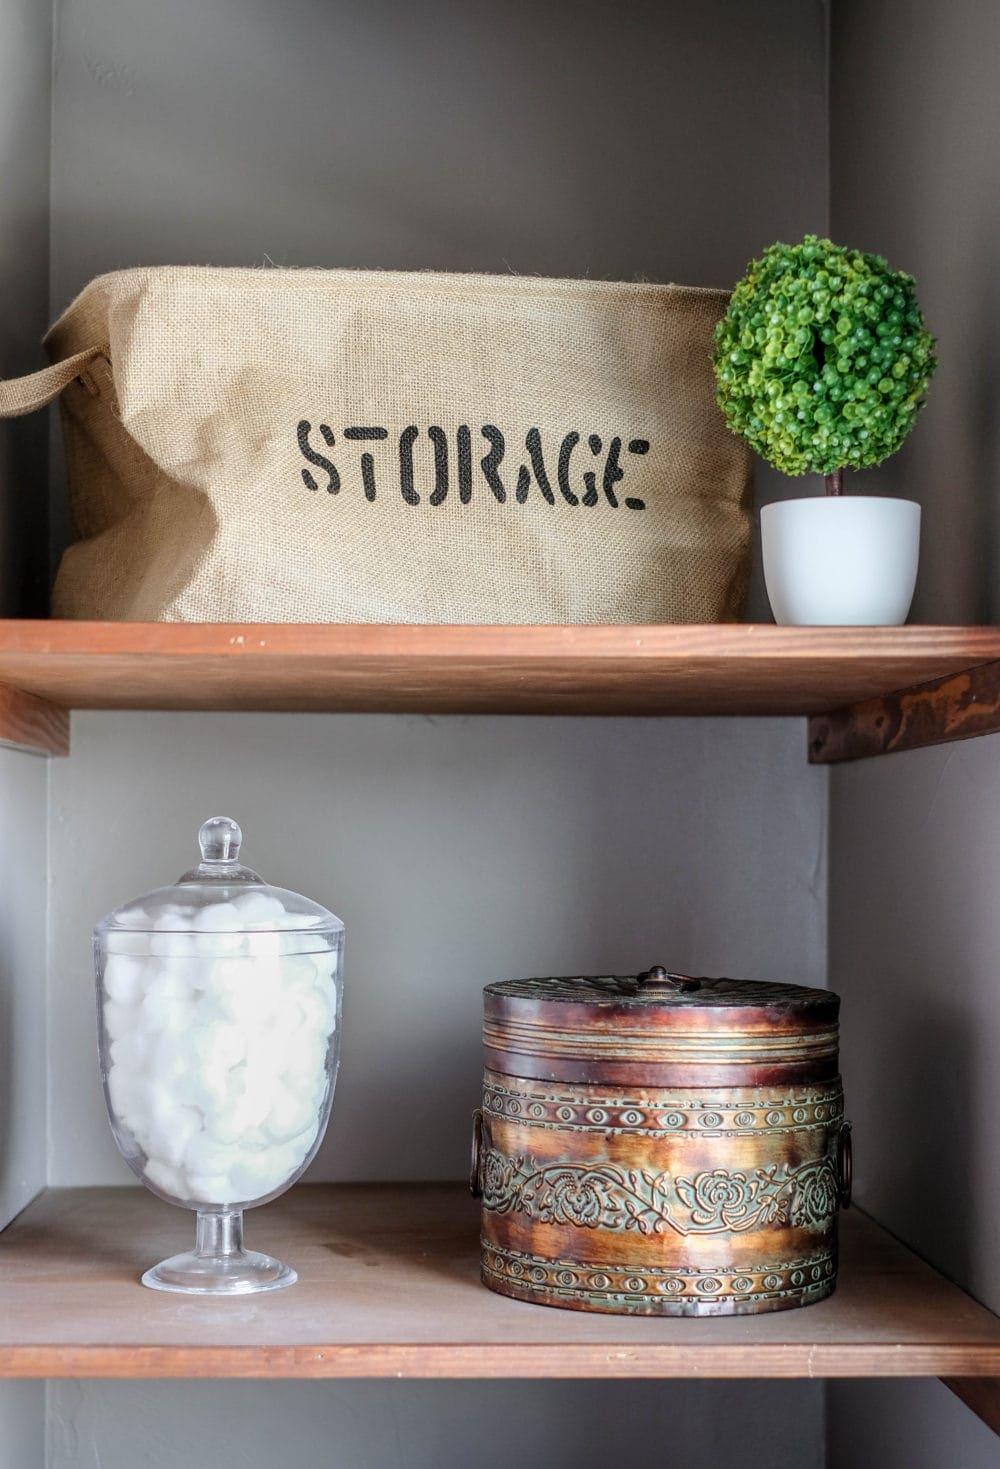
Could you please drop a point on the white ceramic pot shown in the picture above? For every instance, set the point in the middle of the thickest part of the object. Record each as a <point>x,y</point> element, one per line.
<point>840,560</point>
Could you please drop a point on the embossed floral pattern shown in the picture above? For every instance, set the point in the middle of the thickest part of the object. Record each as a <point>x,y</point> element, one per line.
<point>607,1197</point>
<point>589,1198</point>
<point>498,1172</point>
<point>817,1193</point>
<point>719,1197</point>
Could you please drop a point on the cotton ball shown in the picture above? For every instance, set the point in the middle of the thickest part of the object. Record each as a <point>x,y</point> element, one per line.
<point>217,918</point>
<point>213,931</point>
<point>168,1180</point>
<point>305,1063</point>
<point>218,978</point>
<point>319,1011</point>
<point>203,1155</point>
<point>289,1157</point>
<point>263,1064</point>
<point>254,1137</point>
<point>173,1077</point>
<point>223,1123</point>
<point>121,1088</point>
<point>124,978</point>
<point>298,1147</point>
<point>173,937</point>
<point>258,907</point>
<point>129,1094</point>
<point>298,973</point>
<point>218,945</point>
<point>288,1113</point>
<point>120,1019</point>
<point>170,1133</point>
<point>171,916</point>
<point>214,1188</point>
<point>131,1050</point>
<point>264,944</point>
<point>212,1054</point>
<point>257,1174</point>
<point>241,990</point>
<point>219,1045</point>
<point>235,1121</point>
<point>168,1000</point>
<point>327,963</point>
<point>252,1175</point>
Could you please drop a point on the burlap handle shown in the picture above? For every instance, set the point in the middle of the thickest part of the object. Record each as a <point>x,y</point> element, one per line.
<point>22,395</point>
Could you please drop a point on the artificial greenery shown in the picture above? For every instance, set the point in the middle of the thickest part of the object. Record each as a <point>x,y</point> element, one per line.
<point>822,358</point>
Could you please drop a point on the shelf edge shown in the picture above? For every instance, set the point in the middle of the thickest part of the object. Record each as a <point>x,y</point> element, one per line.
<point>506,1361</point>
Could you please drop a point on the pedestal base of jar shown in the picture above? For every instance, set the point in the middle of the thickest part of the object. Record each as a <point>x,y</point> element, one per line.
<point>219,1265</point>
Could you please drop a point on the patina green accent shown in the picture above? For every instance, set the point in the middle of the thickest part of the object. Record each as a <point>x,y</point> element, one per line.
<point>719,1201</point>
<point>648,1288</point>
<point>660,1113</point>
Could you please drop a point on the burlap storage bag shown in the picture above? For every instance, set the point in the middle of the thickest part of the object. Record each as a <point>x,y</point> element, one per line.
<point>359,446</point>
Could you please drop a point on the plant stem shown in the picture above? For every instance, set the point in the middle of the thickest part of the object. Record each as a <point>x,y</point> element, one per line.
<point>835,482</point>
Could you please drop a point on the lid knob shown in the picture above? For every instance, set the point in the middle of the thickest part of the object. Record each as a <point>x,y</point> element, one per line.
<point>660,978</point>
<point>220,839</point>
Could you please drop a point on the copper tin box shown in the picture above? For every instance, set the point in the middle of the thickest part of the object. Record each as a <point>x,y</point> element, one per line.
<point>661,1145</point>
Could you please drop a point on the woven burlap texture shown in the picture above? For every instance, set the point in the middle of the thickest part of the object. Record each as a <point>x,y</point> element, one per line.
<point>216,450</point>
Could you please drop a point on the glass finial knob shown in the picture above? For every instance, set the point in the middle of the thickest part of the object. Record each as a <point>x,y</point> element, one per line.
<point>220,839</point>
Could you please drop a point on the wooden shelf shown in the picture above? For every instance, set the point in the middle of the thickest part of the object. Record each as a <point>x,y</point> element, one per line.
<point>49,667</point>
<point>389,1287</point>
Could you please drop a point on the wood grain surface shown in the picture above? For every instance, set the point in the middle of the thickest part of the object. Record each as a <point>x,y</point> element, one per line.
<point>388,1286</point>
<point>28,722</point>
<point>729,669</point>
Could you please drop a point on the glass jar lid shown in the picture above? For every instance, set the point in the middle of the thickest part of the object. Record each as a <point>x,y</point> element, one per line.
<point>220,895</point>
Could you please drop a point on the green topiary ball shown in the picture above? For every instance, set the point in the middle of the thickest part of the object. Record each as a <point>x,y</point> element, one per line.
<point>822,357</point>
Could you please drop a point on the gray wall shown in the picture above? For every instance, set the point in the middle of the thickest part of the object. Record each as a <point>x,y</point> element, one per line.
<point>22,1425</point>
<point>23,937</point>
<point>914,937</point>
<point>915,118</point>
<point>430,1425</point>
<point>914,917</point>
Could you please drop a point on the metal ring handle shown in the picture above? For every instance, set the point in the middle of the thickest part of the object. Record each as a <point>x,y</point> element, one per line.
<point>845,1164</point>
<point>475,1188</point>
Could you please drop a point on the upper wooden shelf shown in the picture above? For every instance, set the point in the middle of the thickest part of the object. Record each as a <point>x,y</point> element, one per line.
<point>48,667</point>
<point>389,1287</point>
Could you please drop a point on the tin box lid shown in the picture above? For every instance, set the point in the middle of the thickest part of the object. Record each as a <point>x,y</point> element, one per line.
<point>658,987</point>
<point>661,1027</point>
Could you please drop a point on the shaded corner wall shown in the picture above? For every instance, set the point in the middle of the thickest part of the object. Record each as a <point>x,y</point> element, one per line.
<point>25,101</point>
<point>25,95</point>
<point>25,91</point>
<point>914,916</point>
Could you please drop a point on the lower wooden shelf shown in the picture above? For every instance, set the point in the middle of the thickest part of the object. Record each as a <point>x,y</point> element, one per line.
<point>389,1287</point>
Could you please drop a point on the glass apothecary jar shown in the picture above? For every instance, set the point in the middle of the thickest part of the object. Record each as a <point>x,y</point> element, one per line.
<point>219,1003</point>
